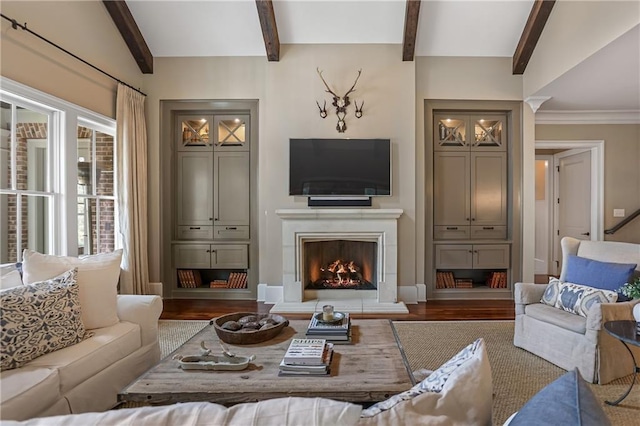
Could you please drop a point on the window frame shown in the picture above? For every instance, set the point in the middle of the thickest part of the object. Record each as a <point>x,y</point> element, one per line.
<point>65,118</point>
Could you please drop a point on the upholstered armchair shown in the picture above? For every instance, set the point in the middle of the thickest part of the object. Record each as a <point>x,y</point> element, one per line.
<point>569,340</point>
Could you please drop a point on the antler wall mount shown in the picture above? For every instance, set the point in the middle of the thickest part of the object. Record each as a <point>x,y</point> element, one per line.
<point>340,103</point>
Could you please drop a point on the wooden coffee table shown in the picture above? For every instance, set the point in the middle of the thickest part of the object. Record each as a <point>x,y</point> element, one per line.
<point>370,369</point>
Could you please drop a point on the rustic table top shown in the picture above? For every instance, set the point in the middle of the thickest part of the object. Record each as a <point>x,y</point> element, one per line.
<point>370,369</point>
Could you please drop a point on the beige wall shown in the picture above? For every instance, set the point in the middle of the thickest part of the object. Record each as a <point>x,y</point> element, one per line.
<point>82,27</point>
<point>287,91</point>
<point>621,168</point>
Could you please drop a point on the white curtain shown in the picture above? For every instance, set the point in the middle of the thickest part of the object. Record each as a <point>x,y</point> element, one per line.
<point>132,189</point>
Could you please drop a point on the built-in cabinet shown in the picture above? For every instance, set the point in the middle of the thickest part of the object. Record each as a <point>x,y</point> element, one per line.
<point>471,248</point>
<point>212,234</point>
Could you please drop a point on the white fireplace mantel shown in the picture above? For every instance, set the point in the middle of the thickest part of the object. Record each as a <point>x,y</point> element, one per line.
<point>305,225</point>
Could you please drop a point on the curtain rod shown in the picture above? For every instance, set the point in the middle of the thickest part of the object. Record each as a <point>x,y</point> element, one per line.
<point>15,25</point>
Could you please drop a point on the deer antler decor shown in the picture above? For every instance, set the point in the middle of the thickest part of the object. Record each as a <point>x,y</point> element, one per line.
<point>340,103</point>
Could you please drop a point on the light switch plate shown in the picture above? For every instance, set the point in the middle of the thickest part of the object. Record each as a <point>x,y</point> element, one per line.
<point>618,212</point>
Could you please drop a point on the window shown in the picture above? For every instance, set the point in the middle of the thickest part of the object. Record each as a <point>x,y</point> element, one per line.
<point>57,186</point>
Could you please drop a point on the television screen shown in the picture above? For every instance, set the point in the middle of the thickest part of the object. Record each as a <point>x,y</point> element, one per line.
<point>339,167</point>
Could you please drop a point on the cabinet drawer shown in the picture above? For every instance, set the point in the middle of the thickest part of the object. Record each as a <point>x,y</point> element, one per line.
<point>450,232</point>
<point>231,232</point>
<point>488,232</point>
<point>195,232</point>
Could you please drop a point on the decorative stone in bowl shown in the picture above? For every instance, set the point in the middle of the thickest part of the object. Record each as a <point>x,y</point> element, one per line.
<point>246,328</point>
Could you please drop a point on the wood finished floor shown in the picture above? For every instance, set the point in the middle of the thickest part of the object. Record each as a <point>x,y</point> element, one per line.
<point>435,310</point>
<point>443,310</point>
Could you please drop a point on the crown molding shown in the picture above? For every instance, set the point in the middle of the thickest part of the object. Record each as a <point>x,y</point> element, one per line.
<point>588,117</point>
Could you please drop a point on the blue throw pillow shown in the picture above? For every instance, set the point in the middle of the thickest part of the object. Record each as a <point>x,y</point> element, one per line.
<point>604,275</point>
<point>566,401</point>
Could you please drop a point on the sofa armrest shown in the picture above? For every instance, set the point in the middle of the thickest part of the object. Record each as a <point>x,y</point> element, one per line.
<point>142,310</point>
<point>526,294</point>
<point>603,312</point>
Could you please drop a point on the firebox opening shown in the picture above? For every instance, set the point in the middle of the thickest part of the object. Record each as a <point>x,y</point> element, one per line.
<point>340,264</point>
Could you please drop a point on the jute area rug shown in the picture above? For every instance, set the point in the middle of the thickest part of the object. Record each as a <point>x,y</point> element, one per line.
<point>517,374</point>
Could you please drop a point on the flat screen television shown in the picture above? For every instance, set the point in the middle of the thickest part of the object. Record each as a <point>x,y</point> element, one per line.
<point>339,167</point>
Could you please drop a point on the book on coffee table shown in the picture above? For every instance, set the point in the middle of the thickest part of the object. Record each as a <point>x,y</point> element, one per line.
<point>287,369</point>
<point>337,332</point>
<point>305,352</point>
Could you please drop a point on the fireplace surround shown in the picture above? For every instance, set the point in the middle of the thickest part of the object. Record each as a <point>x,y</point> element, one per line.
<point>302,226</point>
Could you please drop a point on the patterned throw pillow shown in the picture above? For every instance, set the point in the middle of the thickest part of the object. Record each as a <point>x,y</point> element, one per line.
<point>578,299</point>
<point>39,318</point>
<point>550,296</point>
<point>433,383</point>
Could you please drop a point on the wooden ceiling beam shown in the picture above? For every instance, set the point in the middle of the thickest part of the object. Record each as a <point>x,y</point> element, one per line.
<point>540,12</point>
<point>269,29</point>
<point>121,16</point>
<point>412,13</point>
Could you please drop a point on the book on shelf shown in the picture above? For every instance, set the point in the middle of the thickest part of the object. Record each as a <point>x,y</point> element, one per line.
<point>305,352</point>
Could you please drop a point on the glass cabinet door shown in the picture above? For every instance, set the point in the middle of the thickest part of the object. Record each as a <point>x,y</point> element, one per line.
<point>231,133</point>
<point>489,132</point>
<point>449,132</point>
<point>194,131</point>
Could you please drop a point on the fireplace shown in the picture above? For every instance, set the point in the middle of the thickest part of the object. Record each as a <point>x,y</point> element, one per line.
<point>340,265</point>
<point>345,235</point>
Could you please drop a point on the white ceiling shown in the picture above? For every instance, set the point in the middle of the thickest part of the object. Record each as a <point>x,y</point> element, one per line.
<point>178,28</point>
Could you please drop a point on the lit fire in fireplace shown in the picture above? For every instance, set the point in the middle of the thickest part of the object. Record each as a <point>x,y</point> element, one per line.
<point>340,273</point>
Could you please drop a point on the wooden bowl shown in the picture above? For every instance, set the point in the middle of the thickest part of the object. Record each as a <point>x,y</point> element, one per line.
<point>248,337</point>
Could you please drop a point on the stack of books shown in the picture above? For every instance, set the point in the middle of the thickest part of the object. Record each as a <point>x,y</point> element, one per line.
<point>334,332</point>
<point>307,357</point>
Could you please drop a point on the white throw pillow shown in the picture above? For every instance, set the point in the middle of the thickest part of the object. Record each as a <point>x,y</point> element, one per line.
<point>11,279</point>
<point>98,277</point>
<point>458,393</point>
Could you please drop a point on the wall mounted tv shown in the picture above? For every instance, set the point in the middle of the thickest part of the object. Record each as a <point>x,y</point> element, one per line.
<point>339,167</point>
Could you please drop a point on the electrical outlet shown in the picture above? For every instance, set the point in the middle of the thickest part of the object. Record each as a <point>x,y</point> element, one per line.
<point>618,212</point>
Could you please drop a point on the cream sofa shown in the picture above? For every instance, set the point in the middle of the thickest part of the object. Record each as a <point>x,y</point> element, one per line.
<point>573,341</point>
<point>88,375</point>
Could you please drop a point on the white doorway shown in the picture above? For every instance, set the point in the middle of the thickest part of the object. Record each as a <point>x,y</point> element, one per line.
<point>544,215</point>
<point>578,183</point>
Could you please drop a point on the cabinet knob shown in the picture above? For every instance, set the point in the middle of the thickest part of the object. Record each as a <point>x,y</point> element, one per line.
<point>467,219</point>
<point>473,218</point>
<point>488,228</point>
<point>208,251</point>
<point>210,218</point>
<point>470,251</point>
<point>194,227</point>
<point>216,219</point>
<point>452,228</point>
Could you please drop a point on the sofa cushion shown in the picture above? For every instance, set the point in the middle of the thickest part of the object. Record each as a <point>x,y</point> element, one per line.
<point>459,392</point>
<point>27,390</point>
<point>79,362</point>
<point>39,318</point>
<point>558,317</point>
<point>578,299</point>
<point>594,273</point>
<point>97,277</point>
<point>550,296</point>
<point>271,412</point>
<point>566,401</point>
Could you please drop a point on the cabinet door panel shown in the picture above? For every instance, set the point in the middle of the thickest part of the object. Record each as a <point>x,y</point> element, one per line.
<point>231,133</point>
<point>231,193</point>
<point>196,256</point>
<point>195,198</point>
<point>489,132</point>
<point>450,132</point>
<point>229,256</point>
<point>489,256</point>
<point>451,188</point>
<point>193,132</point>
<point>454,256</point>
<point>488,188</point>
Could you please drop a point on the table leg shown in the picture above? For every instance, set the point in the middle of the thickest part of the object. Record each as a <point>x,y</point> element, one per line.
<point>636,370</point>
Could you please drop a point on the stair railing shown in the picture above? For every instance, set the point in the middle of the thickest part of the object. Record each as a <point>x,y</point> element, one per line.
<point>623,223</point>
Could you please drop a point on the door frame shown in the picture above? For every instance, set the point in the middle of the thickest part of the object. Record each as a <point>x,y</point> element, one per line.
<point>597,181</point>
<point>549,191</point>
